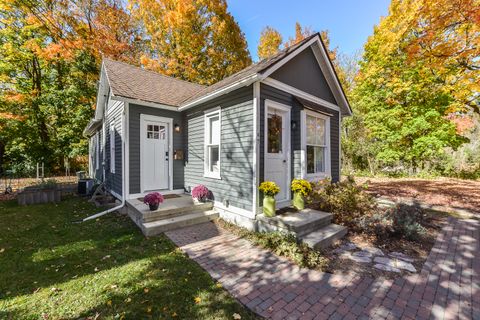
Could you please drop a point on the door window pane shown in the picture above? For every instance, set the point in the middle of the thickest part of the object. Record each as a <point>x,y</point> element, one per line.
<point>274,132</point>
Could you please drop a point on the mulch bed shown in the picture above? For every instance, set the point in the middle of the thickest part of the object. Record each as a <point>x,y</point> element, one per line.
<point>452,194</point>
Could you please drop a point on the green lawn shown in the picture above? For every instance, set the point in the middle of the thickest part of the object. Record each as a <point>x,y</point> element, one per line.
<point>51,268</point>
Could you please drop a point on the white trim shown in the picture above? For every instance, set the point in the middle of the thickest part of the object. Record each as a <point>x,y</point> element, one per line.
<point>126,142</point>
<point>169,121</point>
<point>245,213</point>
<point>162,191</point>
<point>299,93</point>
<point>288,139</point>
<point>256,147</point>
<point>111,134</point>
<point>328,163</point>
<point>241,83</point>
<point>145,103</point>
<point>206,133</point>
<point>290,56</point>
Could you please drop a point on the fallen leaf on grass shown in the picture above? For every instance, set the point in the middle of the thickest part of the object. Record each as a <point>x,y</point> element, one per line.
<point>174,314</point>
<point>197,300</point>
<point>219,285</point>
<point>146,290</point>
<point>149,309</point>
<point>106,257</point>
<point>109,303</point>
<point>2,250</point>
<point>128,300</point>
<point>236,316</point>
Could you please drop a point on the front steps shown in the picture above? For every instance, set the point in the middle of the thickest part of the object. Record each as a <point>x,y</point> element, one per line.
<point>173,214</point>
<point>311,226</point>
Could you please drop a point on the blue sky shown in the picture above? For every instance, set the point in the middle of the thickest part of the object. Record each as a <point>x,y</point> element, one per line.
<point>350,22</point>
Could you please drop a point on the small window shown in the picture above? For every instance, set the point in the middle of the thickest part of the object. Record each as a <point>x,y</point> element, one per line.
<point>212,144</point>
<point>274,133</point>
<point>317,147</point>
<point>112,134</point>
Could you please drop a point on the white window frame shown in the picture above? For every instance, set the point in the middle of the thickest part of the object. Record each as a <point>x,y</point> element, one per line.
<point>317,175</point>
<point>97,151</point>
<point>207,115</point>
<point>112,147</point>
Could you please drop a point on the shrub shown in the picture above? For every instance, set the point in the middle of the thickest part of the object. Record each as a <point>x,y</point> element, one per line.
<point>401,220</point>
<point>346,200</point>
<point>153,198</point>
<point>301,186</point>
<point>269,188</point>
<point>407,221</point>
<point>201,192</point>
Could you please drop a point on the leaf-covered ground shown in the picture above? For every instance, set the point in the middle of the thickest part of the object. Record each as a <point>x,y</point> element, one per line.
<point>52,268</point>
<point>452,194</point>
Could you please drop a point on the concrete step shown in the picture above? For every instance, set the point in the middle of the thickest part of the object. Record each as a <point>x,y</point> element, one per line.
<point>300,223</point>
<point>156,227</point>
<point>163,213</point>
<point>324,237</point>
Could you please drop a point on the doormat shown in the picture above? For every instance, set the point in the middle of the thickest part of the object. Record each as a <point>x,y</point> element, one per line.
<point>166,196</point>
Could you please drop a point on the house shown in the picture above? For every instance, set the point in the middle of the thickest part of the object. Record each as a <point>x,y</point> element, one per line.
<point>276,120</point>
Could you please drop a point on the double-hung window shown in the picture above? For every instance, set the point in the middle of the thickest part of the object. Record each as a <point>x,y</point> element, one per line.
<point>212,144</point>
<point>112,148</point>
<point>317,144</point>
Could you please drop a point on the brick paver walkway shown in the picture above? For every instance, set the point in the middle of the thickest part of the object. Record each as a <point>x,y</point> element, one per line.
<point>448,287</point>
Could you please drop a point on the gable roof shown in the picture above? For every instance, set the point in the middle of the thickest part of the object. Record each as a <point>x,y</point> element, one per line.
<point>139,84</point>
<point>136,83</point>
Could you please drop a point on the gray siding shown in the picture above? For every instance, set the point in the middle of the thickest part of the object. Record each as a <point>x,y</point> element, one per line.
<point>303,72</point>
<point>134,135</point>
<point>267,92</point>
<point>236,156</point>
<point>114,116</point>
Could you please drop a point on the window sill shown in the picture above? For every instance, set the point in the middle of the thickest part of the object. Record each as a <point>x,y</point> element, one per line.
<point>313,176</point>
<point>212,176</point>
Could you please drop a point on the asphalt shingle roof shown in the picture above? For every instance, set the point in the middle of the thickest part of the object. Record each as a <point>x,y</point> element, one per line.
<point>136,83</point>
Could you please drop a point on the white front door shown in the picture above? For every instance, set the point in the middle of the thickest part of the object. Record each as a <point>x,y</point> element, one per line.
<point>277,145</point>
<point>155,155</point>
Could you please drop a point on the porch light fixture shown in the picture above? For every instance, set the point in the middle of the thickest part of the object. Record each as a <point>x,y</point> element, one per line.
<point>176,127</point>
<point>293,124</point>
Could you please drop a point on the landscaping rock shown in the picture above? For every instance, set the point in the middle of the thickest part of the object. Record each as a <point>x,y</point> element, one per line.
<point>374,251</point>
<point>359,259</point>
<point>395,263</point>
<point>401,256</point>
<point>385,267</point>
<point>345,247</point>
<point>362,253</point>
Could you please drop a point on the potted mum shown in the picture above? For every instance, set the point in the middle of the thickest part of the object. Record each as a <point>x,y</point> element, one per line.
<point>300,188</point>
<point>200,193</point>
<point>153,199</point>
<point>269,190</point>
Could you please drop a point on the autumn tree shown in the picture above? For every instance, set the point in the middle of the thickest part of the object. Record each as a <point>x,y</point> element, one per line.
<point>402,103</point>
<point>198,41</point>
<point>270,42</point>
<point>300,34</point>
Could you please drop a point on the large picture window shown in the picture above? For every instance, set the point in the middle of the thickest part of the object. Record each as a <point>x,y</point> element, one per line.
<point>316,144</point>
<point>212,144</point>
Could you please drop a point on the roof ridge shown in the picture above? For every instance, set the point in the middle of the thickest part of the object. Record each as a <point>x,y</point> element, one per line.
<point>154,72</point>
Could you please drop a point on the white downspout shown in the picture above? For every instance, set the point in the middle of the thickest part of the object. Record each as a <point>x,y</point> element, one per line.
<point>124,193</point>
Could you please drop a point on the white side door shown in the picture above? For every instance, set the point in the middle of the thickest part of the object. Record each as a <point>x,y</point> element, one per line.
<point>155,156</point>
<point>277,153</point>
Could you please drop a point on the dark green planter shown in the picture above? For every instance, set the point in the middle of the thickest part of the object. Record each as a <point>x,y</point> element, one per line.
<point>269,206</point>
<point>298,201</point>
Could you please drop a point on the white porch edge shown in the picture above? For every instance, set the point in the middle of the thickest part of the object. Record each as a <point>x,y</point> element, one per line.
<point>163,192</point>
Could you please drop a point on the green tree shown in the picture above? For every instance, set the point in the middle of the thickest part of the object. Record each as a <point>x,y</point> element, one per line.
<point>403,104</point>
